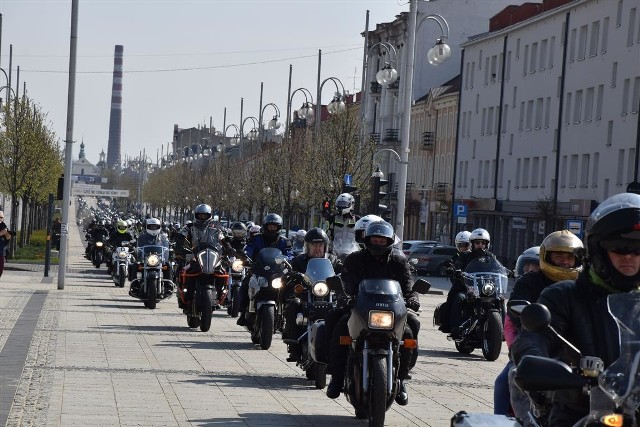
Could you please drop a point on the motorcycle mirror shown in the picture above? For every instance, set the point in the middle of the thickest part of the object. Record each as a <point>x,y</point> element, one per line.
<point>280,259</point>
<point>515,306</point>
<point>334,283</point>
<point>421,286</point>
<point>535,373</point>
<point>535,317</point>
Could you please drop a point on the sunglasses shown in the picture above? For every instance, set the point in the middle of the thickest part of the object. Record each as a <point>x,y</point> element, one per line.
<point>622,246</point>
<point>626,251</point>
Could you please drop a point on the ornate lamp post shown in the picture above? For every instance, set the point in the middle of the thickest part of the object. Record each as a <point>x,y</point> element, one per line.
<point>305,112</point>
<point>337,105</point>
<point>273,123</point>
<point>252,135</point>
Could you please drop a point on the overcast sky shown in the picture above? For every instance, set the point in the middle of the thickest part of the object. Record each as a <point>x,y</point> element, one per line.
<point>184,60</point>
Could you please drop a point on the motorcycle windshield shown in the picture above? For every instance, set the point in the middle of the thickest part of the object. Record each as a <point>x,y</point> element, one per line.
<point>318,269</point>
<point>343,246</point>
<point>486,277</point>
<point>266,262</point>
<point>380,287</point>
<point>161,251</point>
<point>621,380</point>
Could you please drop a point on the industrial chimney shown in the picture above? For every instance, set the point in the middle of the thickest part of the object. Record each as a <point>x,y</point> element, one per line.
<point>115,120</point>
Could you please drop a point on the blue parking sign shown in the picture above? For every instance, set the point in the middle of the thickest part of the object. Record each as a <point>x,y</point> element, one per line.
<point>459,209</point>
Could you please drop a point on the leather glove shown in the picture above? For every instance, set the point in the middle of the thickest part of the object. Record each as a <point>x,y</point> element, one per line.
<point>413,304</point>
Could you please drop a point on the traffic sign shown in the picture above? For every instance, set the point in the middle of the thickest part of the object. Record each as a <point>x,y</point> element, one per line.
<point>459,209</point>
<point>462,220</point>
<point>575,226</point>
<point>96,192</point>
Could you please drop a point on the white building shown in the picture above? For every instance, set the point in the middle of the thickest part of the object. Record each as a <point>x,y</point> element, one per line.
<point>554,131</point>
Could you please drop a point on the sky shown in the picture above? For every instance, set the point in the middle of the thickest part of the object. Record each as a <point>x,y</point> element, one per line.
<point>185,61</point>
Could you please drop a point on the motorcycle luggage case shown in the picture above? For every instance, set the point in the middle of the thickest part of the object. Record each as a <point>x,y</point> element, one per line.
<point>464,419</point>
<point>318,342</point>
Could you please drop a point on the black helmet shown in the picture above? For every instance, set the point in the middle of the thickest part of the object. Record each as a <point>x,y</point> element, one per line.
<point>614,224</point>
<point>271,218</point>
<point>379,229</point>
<point>530,256</point>
<point>316,235</point>
<point>238,230</point>
<point>201,215</point>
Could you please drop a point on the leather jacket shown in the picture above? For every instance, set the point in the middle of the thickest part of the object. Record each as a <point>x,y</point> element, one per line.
<point>529,287</point>
<point>362,265</point>
<point>579,313</point>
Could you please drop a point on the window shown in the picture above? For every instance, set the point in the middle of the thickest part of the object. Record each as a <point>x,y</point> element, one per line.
<point>635,99</point>
<point>552,48</point>
<point>535,165</point>
<point>588,105</point>
<point>500,65</point>
<point>563,172</point>
<point>463,122</point>
<point>477,102</point>
<point>605,34</point>
<point>473,152</point>
<point>507,70</point>
<point>543,171</point>
<point>572,45</point>
<point>596,164</point>
<point>543,54</point>
<point>619,14</point>
<point>595,34</point>
<point>511,144</point>
<point>469,125</point>
<point>521,124</point>
<point>582,43</point>
<point>577,113</point>
<point>529,114</point>
<point>473,73</point>
<point>567,111</point>
<point>631,158</point>
<point>518,173</point>
<point>573,171</point>
<point>487,173</point>
<point>466,75</point>
<point>525,173</point>
<point>482,123</point>
<point>620,175</point>
<point>505,117</point>
<point>547,113</point>
<point>539,108</point>
<point>632,26</point>
<point>490,121</point>
<point>515,96</point>
<point>501,173</point>
<point>494,68</point>
<point>584,172</point>
<point>534,57</point>
<point>614,74</point>
<point>609,133</point>
<point>599,102</point>
<point>625,96</point>
<point>517,49</point>
<point>525,63</point>
<point>486,72</point>
<point>480,60</point>
<point>479,174</point>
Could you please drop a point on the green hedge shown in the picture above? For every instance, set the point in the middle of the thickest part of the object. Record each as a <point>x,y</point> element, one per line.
<point>35,250</point>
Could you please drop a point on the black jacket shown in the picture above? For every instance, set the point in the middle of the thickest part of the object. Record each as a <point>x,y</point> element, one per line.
<point>579,313</point>
<point>529,287</point>
<point>460,263</point>
<point>362,265</point>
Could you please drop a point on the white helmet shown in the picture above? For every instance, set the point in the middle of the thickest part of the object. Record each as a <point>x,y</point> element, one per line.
<point>361,226</point>
<point>153,226</point>
<point>300,235</point>
<point>480,234</point>
<point>462,241</point>
<point>345,203</point>
<point>253,230</point>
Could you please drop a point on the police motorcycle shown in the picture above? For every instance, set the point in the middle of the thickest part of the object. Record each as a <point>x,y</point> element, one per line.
<point>486,281</point>
<point>614,392</point>
<point>376,328</point>
<point>317,301</point>
<point>199,298</point>
<point>264,312</point>
<point>154,284</point>
<point>121,258</point>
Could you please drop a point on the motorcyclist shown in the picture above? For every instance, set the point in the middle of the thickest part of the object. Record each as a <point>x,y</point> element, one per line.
<point>316,245</point>
<point>270,237</point>
<point>117,238</point>
<point>298,242</point>
<point>98,233</point>
<point>379,259</point>
<point>361,226</point>
<point>579,310</point>
<point>238,238</point>
<point>341,226</point>
<point>152,235</point>
<point>462,242</point>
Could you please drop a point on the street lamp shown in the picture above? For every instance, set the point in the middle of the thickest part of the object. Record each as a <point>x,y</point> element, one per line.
<point>252,135</point>
<point>236,138</point>
<point>440,52</point>
<point>305,112</point>
<point>337,105</point>
<point>273,123</point>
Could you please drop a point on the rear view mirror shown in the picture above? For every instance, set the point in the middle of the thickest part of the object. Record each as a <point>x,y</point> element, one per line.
<point>421,286</point>
<point>515,306</point>
<point>335,283</point>
<point>535,317</point>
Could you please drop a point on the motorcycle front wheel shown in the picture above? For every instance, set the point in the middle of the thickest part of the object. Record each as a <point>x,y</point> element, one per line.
<point>492,336</point>
<point>122,275</point>
<point>193,322</point>
<point>320,380</point>
<point>377,391</point>
<point>150,301</point>
<point>234,308</point>
<point>267,314</point>
<point>206,310</point>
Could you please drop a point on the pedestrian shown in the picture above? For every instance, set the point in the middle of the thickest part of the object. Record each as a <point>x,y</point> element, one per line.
<point>5,236</point>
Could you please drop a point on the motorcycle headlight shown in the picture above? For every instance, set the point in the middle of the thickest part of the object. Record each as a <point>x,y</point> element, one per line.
<point>122,254</point>
<point>237,266</point>
<point>488,289</point>
<point>276,283</point>
<point>380,319</point>
<point>320,289</point>
<point>153,260</point>
<point>99,244</point>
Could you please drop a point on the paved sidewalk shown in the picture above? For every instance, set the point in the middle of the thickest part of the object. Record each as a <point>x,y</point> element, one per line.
<point>91,355</point>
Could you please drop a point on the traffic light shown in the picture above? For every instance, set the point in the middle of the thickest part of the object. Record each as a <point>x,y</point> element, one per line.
<point>326,207</point>
<point>380,207</point>
<point>60,192</point>
<point>348,188</point>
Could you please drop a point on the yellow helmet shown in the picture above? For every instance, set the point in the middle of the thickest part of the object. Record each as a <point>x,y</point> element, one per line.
<point>560,241</point>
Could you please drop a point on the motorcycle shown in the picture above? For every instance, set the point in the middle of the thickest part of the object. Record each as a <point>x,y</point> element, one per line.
<point>237,273</point>
<point>121,259</point>
<point>152,286</point>
<point>483,311</point>
<point>264,312</point>
<point>376,328</point>
<point>318,300</point>
<point>614,392</point>
<point>198,298</point>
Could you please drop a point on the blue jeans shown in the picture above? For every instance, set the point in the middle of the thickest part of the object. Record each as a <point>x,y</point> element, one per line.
<point>501,397</point>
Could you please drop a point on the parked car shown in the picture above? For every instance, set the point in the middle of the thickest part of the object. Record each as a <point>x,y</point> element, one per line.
<point>432,259</point>
<point>410,245</point>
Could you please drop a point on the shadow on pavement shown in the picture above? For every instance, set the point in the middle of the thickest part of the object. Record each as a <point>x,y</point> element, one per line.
<point>265,419</point>
<point>453,354</point>
<point>243,381</point>
<point>210,345</point>
<point>141,328</point>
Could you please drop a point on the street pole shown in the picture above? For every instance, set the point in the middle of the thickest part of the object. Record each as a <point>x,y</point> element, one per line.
<point>406,117</point>
<point>68,153</point>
